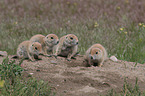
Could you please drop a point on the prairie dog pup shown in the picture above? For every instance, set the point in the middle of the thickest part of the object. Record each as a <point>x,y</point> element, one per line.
<point>47,42</point>
<point>29,49</point>
<point>67,46</point>
<point>96,54</point>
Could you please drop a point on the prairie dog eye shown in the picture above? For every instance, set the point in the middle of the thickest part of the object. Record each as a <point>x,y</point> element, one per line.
<point>71,38</point>
<point>36,48</point>
<point>51,37</point>
<point>96,52</point>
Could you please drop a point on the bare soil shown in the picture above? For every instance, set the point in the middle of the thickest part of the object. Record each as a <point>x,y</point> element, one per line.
<point>73,78</point>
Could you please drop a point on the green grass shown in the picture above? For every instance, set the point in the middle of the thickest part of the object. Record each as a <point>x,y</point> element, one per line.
<point>127,44</point>
<point>127,90</point>
<point>16,85</point>
<point>23,19</point>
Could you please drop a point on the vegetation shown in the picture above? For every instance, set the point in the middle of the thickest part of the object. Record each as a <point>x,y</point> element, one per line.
<point>12,84</point>
<point>128,90</point>
<point>117,24</point>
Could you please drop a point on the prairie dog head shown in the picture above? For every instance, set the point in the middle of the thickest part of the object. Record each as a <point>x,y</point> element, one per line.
<point>71,40</point>
<point>96,54</point>
<point>51,40</point>
<point>36,48</point>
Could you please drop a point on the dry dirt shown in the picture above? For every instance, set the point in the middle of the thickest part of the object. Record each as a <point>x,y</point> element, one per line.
<point>75,79</point>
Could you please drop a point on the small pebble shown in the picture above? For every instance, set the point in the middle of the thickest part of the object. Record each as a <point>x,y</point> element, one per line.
<point>53,62</point>
<point>113,58</point>
<point>31,73</point>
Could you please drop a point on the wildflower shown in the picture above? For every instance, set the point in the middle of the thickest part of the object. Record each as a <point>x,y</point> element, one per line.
<point>75,4</point>
<point>140,24</point>
<point>126,1</point>
<point>125,33</point>
<point>118,8</point>
<point>68,3</point>
<point>105,13</point>
<point>121,29</point>
<point>16,23</point>
<point>96,24</point>
<point>2,83</point>
<point>143,25</point>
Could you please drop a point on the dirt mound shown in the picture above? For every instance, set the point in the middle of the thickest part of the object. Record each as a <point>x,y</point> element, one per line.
<point>75,79</point>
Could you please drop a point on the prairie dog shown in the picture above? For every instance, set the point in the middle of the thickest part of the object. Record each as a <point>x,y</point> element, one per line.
<point>48,43</point>
<point>67,46</point>
<point>29,49</point>
<point>96,54</point>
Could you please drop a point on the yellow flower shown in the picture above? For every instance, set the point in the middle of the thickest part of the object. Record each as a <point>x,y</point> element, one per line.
<point>16,23</point>
<point>143,25</point>
<point>105,13</point>
<point>121,29</point>
<point>140,24</point>
<point>2,83</point>
<point>68,3</point>
<point>127,1</point>
<point>96,24</point>
<point>118,8</point>
<point>125,33</point>
<point>75,4</point>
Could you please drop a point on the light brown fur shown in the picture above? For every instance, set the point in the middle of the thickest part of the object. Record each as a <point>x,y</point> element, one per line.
<point>27,49</point>
<point>96,54</point>
<point>67,46</point>
<point>48,43</point>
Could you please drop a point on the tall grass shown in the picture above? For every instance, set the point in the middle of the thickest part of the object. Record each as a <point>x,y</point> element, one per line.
<point>95,21</point>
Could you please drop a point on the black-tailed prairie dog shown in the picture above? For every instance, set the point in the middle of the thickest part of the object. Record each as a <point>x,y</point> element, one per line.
<point>48,42</point>
<point>29,49</point>
<point>96,55</point>
<point>68,46</point>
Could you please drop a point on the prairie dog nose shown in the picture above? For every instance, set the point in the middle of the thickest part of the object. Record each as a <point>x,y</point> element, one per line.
<point>91,57</point>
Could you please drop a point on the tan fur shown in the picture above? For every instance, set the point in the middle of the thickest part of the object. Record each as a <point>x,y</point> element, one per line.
<point>96,54</point>
<point>27,49</point>
<point>67,46</point>
<point>48,43</point>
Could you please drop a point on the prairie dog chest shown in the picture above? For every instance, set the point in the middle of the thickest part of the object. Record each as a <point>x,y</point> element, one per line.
<point>95,61</point>
<point>49,49</point>
<point>66,51</point>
